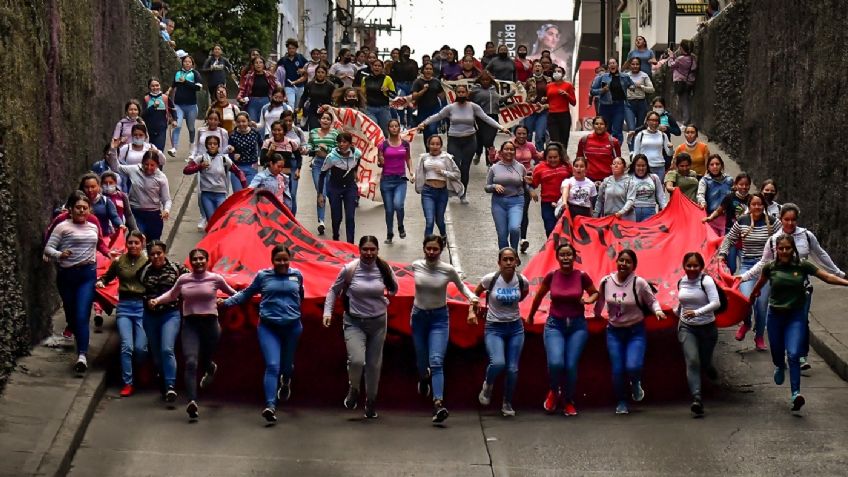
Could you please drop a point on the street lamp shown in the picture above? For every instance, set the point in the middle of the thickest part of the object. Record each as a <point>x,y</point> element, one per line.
<point>345,43</point>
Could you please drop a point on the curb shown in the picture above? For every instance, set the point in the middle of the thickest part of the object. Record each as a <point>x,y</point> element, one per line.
<point>828,347</point>
<point>57,459</point>
<point>453,247</point>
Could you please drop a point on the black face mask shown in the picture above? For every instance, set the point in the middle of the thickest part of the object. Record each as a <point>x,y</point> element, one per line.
<point>503,55</point>
<point>461,99</point>
<point>522,55</point>
<point>769,196</point>
<point>352,102</point>
<point>345,60</point>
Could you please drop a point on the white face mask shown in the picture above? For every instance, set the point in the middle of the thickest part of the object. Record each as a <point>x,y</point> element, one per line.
<point>659,110</point>
<point>109,189</point>
<point>137,142</point>
<point>557,76</point>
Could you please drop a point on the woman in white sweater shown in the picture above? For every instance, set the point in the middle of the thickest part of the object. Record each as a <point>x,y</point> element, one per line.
<point>654,144</point>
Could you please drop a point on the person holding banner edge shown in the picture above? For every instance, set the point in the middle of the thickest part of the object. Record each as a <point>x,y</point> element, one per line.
<point>462,141</point>
<point>341,165</point>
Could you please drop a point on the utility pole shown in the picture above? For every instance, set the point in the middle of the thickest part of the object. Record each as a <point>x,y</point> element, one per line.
<point>672,23</point>
<point>301,30</point>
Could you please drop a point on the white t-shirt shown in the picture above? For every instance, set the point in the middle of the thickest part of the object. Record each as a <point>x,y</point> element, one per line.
<point>503,298</point>
<point>581,191</point>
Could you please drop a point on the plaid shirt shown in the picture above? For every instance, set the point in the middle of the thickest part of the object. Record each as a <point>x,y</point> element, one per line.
<point>246,86</point>
<point>158,281</point>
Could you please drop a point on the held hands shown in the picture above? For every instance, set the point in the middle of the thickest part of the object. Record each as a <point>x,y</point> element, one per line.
<point>99,284</point>
<point>153,302</point>
<point>689,314</point>
<point>231,149</point>
<point>219,301</point>
<point>66,254</point>
<point>660,315</point>
<point>165,215</point>
<point>327,320</point>
<point>534,196</point>
<point>297,174</point>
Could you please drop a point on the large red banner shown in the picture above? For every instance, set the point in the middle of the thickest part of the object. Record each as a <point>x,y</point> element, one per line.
<point>246,227</point>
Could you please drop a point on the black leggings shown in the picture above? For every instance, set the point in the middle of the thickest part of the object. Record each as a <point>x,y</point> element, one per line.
<point>485,134</point>
<point>559,127</point>
<point>462,149</point>
<point>200,335</point>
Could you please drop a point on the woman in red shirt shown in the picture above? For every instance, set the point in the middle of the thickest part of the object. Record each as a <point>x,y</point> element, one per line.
<point>549,175</point>
<point>560,96</point>
<point>599,149</point>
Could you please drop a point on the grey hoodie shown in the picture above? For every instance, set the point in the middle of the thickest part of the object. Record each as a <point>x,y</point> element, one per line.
<point>615,195</point>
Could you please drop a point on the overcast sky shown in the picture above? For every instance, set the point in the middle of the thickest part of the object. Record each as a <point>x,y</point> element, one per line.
<point>429,24</point>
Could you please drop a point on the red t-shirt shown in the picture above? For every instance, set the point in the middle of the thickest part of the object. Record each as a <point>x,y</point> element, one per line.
<point>550,178</point>
<point>599,152</point>
<point>558,103</point>
<point>522,72</point>
<point>566,291</point>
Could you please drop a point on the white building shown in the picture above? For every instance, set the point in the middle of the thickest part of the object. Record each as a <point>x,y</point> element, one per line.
<point>303,20</point>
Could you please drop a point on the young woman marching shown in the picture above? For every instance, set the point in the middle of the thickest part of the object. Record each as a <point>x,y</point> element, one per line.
<point>212,128</point>
<point>187,83</point>
<point>548,177</point>
<point>130,306</point>
<point>322,140</point>
<point>578,191</point>
<point>615,195</point>
<point>273,179</point>
<point>158,113</point>
<point>436,177</point>
<point>245,143</point>
<point>299,141</point>
<point>272,111</point>
<point>648,192</point>
<point>430,320</point>
<point>628,298</point>
<point>280,327</point>
<point>365,285</point>
<point>341,166</point>
<point>697,332</point>
<point>132,152</point>
<point>752,230</point>
<point>712,189</point>
<point>599,149</point>
<point>201,331</point>
<point>654,144</point>
<point>733,206</point>
<point>769,190</point>
<point>316,94</point>
<point>214,169</point>
<point>507,184</point>
<point>698,151</point>
<point>150,197</point>
<point>162,321</point>
<point>787,315</point>
<point>528,156</point>
<point>256,88</point>
<point>565,330</point>
<point>682,177</point>
<point>109,188</point>
<point>133,116</point>
<point>504,332</point>
<point>393,157</point>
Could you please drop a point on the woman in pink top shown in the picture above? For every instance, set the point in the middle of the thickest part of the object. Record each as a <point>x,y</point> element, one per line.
<point>628,299</point>
<point>393,157</point>
<point>565,331</point>
<point>200,330</point>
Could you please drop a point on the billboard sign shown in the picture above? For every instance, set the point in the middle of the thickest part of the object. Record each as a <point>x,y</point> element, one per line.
<point>557,36</point>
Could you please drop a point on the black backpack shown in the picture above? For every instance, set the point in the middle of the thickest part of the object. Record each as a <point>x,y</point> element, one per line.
<point>722,296</point>
<point>645,309</point>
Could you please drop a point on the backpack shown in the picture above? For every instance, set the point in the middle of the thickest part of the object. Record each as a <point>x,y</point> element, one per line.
<point>643,307</point>
<point>483,310</point>
<point>350,270</point>
<point>722,296</point>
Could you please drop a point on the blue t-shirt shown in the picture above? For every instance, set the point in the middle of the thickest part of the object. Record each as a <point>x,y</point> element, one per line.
<point>291,66</point>
<point>644,57</point>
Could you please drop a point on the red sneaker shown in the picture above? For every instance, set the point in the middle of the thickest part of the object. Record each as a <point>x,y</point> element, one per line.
<point>68,334</point>
<point>551,401</point>
<point>742,331</point>
<point>760,343</point>
<point>569,409</point>
<point>127,390</point>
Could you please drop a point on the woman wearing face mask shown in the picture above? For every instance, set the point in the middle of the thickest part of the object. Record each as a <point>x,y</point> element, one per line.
<point>158,112</point>
<point>162,321</point>
<point>578,192</point>
<point>485,94</point>
<point>565,332</point>
<point>628,299</point>
<point>560,94</point>
<point>214,168</point>
<point>131,153</point>
<point>366,284</point>
<point>769,191</point>
<point>344,69</point>
<point>404,72</point>
<point>425,95</point>
<point>614,194</point>
<point>272,111</point>
<point>645,55</point>
<point>150,197</point>
<point>316,93</point>
<point>436,177</point>
<point>646,189</point>
<point>245,144</point>
<point>351,98</point>
<point>431,322</point>
<point>636,106</point>
<point>504,331</point>
<point>502,67</point>
<point>130,306</point>
<point>655,145</point>
<point>102,208</point>
<point>109,188</point>
<point>712,189</point>
<point>298,140</point>
<point>752,230</point>
<point>537,94</point>
<point>506,182</point>
<point>733,206</point>
<point>280,327</point>
<point>698,151</point>
<point>788,330</point>
<point>599,149</point>
<point>256,88</point>
<point>462,141</point>
<point>523,66</point>
<point>225,109</point>
<point>548,176</point>
<point>668,125</point>
<point>698,296</point>
<point>200,330</point>
<point>378,89</point>
<point>341,165</point>
<point>186,84</point>
<point>322,140</point>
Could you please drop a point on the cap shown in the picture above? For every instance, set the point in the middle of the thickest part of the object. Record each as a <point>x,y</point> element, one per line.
<point>181,54</point>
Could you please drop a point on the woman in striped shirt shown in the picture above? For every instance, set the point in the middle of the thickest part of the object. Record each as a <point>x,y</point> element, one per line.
<point>322,140</point>
<point>752,230</point>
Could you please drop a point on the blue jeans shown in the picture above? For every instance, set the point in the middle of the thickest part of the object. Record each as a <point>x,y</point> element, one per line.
<point>249,173</point>
<point>613,114</point>
<point>187,112</point>
<point>659,171</point>
<point>317,163</point>
<point>210,201</point>
<point>381,116</point>
<point>76,288</point>
<point>433,128</point>
<point>635,112</point>
<point>162,330</point>
<point>293,94</point>
<point>507,213</point>
<point>293,182</point>
<point>732,259</point>
<point>564,340</point>
<point>537,125</point>
<point>644,213</point>
<point>346,198</point>
<point>504,342</point>
<point>133,339</point>
<point>278,342</point>
<point>430,332</point>
<point>787,332</point>
<point>150,223</point>
<point>255,105</point>
<point>760,308</point>
<point>626,347</point>
<point>548,217</point>
<point>434,201</point>
<point>393,189</point>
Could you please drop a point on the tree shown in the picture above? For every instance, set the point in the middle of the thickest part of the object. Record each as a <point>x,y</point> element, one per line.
<point>236,25</point>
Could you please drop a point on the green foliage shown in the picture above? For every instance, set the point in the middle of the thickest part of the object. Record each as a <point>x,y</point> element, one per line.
<point>236,25</point>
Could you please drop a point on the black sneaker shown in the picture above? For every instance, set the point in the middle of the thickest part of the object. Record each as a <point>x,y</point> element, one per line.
<point>81,366</point>
<point>170,395</point>
<point>798,402</point>
<point>440,413</point>
<point>525,244</point>
<point>370,410</point>
<point>98,323</point>
<point>697,408</point>
<point>805,365</point>
<point>269,414</point>
<point>352,398</point>
<point>388,240</point>
<point>284,392</point>
<point>321,227</point>
<point>424,387</point>
<point>209,376</point>
<point>712,373</point>
<point>402,233</point>
<point>191,410</point>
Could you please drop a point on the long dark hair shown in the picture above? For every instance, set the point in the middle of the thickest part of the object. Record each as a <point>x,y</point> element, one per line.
<point>382,265</point>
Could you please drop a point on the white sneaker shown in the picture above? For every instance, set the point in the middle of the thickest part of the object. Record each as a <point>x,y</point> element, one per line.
<point>81,365</point>
<point>172,152</point>
<point>485,396</point>
<point>201,225</point>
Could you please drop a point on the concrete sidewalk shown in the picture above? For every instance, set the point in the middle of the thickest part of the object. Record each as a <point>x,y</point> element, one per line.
<point>45,409</point>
